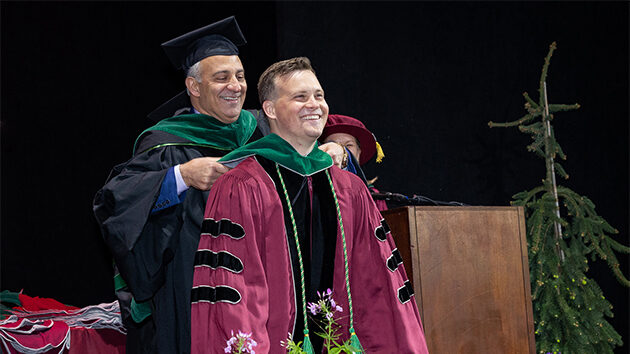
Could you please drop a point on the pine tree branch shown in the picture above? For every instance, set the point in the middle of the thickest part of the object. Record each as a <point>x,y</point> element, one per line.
<point>553,108</point>
<point>543,75</point>
<point>536,146</point>
<point>560,170</point>
<point>537,236</point>
<point>594,242</point>
<point>559,151</point>
<point>524,197</point>
<point>533,106</point>
<point>524,119</point>
<point>613,263</point>
<point>534,129</point>
<point>618,246</point>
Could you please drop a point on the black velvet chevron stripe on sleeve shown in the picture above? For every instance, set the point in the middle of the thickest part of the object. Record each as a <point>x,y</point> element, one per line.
<point>222,227</point>
<point>385,226</point>
<point>221,293</point>
<point>382,230</point>
<point>222,259</point>
<point>405,292</point>
<point>394,260</point>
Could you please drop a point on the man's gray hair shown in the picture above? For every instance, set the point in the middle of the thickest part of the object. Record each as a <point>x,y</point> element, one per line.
<point>194,72</point>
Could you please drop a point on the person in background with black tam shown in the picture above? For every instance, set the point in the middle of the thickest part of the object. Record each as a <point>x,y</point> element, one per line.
<point>150,210</point>
<point>360,143</point>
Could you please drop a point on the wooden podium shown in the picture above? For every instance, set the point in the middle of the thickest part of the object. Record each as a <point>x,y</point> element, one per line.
<point>470,274</point>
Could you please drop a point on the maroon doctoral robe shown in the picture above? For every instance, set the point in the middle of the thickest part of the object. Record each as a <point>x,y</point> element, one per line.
<point>244,281</point>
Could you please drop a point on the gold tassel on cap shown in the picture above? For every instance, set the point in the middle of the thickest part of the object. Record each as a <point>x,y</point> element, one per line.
<point>379,153</point>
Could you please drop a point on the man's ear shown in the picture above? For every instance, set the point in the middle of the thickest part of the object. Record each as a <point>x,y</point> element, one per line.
<point>270,109</point>
<point>193,86</point>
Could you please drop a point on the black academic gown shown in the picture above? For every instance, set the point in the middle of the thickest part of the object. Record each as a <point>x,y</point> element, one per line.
<point>154,252</point>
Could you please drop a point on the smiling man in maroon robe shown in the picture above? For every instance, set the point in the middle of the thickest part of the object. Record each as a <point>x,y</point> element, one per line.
<point>284,224</point>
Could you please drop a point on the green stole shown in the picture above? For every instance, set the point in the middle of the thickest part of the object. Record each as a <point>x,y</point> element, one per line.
<point>204,130</point>
<point>276,149</point>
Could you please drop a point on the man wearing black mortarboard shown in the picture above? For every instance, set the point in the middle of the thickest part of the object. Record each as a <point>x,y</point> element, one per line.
<point>151,208</point>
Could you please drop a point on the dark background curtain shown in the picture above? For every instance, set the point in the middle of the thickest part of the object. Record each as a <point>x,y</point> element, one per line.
<point>78,79</point>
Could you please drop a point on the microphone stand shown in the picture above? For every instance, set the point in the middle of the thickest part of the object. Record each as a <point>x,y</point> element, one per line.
<point>415,200</point>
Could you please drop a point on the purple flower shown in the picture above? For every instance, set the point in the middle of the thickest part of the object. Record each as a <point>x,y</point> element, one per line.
<point>314,308</point>
<point>230,344</point>
<point>240,343</point>
<point>325,294</point>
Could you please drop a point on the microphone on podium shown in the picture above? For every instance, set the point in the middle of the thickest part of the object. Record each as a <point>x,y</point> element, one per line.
<point>415,200</point>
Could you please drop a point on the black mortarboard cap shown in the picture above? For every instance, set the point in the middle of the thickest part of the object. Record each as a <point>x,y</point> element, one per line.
<point>219,38</point>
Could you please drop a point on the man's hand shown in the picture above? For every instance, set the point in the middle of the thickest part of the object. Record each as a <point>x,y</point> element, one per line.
<point>337,152</point>
<point>202,172</point>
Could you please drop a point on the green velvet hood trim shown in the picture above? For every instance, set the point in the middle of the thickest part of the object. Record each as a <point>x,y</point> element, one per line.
<point>139,310</point>
<point>276,149</point>
<point>205,130</point>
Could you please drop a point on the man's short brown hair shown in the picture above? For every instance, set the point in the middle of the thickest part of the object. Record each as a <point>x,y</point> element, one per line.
<point>267,81</point>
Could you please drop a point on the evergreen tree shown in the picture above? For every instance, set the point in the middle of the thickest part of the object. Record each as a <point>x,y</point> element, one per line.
<point>563,230</point>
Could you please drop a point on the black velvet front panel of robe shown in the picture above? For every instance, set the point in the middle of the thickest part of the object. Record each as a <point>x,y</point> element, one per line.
<point>315,215</point>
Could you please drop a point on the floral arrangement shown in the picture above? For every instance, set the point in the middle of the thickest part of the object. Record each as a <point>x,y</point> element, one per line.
<point>323,312</point>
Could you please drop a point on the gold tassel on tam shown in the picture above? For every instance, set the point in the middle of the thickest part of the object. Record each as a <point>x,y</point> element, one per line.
<point>379,153</point>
